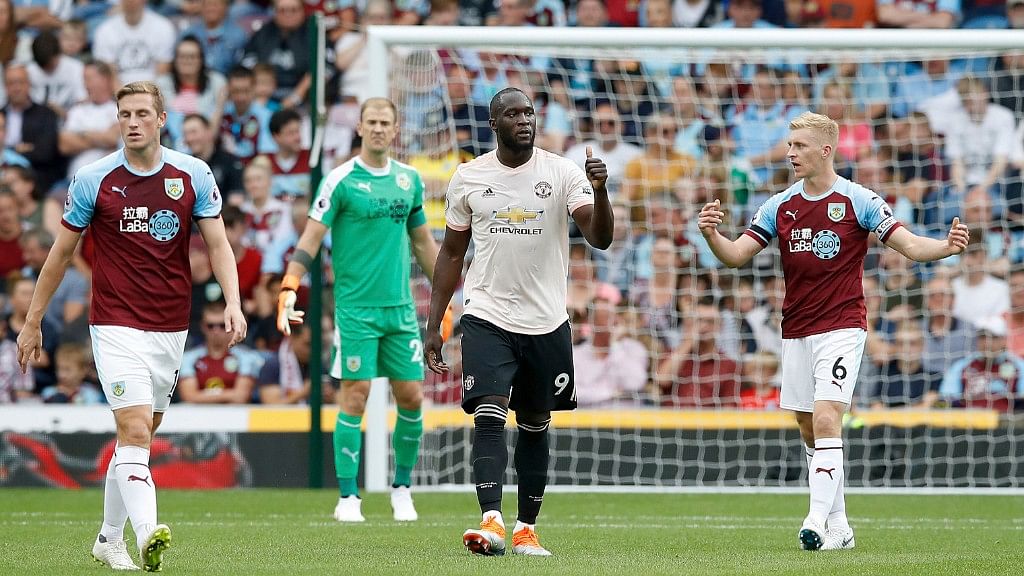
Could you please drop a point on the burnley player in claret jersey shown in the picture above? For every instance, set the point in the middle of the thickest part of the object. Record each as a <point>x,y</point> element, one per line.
<point>138,204</point>
<point>822,223</point>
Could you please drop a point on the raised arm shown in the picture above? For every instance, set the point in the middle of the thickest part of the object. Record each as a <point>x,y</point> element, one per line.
<point>447,271</point>
<point>923,249</point>
<point>732,253</point>
<point>596,221</point>
<point>30,340</point>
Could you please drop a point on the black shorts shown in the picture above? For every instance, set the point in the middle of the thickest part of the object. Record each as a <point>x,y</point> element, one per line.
<point>533,371</point>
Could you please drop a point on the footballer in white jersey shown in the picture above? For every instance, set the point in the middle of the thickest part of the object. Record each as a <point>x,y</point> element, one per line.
<point>515,204</point>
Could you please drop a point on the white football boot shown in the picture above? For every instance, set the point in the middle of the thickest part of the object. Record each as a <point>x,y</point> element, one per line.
<point>113,554</point>
<point>401,505</point>
<point>349,510</point>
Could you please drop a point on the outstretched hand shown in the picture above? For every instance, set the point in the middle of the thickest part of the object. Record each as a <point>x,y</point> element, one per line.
<point>597,172</point>
<point>959,236</point>
<point>710,217</point>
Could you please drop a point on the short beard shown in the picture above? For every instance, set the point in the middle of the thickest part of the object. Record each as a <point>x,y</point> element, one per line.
<point>509,141</point>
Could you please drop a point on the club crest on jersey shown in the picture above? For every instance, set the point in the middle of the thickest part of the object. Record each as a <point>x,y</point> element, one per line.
<point>836,211</point>
<point>118,389</point>
<point>353,363</point>
<point>174,187</point>
<point>403,181</point>
<point>542,190</point>
<point>468,382</point>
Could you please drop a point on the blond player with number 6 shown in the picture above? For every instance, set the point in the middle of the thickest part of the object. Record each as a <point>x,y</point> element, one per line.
<point>822,224</point>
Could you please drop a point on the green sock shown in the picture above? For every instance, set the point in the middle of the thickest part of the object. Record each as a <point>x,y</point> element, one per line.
<point>406,443</point>
<point>348,441</point>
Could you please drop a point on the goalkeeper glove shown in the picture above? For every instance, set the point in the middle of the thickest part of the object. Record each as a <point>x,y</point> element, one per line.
<point>286,312</point>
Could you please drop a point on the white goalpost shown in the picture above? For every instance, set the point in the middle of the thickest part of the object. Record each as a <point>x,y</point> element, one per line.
<point>656,438</point>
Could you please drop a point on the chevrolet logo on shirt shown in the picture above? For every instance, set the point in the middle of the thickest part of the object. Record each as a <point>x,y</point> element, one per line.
<point>516,215</point>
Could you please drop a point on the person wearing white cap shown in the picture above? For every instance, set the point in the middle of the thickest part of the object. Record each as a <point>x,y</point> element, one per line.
<point>991,377</point>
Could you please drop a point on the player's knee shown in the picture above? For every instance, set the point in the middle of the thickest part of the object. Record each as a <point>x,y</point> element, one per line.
<point>826,425</point>
<point>352,397</point>
<point>410,398</point>
<point>534,421</point>
<point>135,432</point>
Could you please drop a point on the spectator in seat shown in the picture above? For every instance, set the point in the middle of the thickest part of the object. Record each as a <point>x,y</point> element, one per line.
<point>15,386</point>
<point>56,79</point>
<point>73,364</point>
<point>202,142</point>
<point>946,337</point>
<point>290,164</point>
<point>8,157</point>
<point>245,124</point>
<point>190,88</point>
<point>11,257</point>
<point>285,377</point>
<point>137,42</point>
<point>267,217</point>
<point>607,144</point>
<point>991,377</point>
<point>69,305</point>
<point>609,368</point>
<point>350,52</point>
<point>905,380</point>
<point>472,120</point>
<point>977,293</point>
<point>761,385</point>
<point>215,373</point>
<point>247,258</point>
<point>90,131</point>
<point>697,374</point>
<point>284,43</point>
<point>23,182</point>
<point>222,39</point>
<point>32,128</point>
<point>657,169</point>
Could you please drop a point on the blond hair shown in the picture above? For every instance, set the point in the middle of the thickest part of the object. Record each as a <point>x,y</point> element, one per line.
<point>824,128</point>
<point>261,163</point>
<point>142,87</point>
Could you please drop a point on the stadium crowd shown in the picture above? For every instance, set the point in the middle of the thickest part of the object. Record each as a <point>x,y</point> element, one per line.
<point>657,320</point>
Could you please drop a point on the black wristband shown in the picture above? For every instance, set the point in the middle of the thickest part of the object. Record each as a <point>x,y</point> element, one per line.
<point>300,256</point>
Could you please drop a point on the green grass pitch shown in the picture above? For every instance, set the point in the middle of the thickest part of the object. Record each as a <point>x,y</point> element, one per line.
<point>249,532</point>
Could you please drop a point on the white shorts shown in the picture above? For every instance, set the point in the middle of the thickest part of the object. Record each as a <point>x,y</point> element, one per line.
<point>821,367</point>
<point>137,367</point>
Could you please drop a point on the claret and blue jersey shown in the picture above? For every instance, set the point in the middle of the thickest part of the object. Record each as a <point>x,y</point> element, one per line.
<point>822,241</point>
<point>140,223</point>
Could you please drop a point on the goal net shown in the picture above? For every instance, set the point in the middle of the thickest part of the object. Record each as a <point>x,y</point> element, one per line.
<point>678,358</point>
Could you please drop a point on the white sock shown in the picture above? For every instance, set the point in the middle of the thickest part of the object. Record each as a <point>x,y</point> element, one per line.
<point>826,474</point>
<point>837,519</point>
<point>809,453</point>
<point>137,488</point>
<point>520,525</point>
<point>114,512</point>
<point>496,515</point>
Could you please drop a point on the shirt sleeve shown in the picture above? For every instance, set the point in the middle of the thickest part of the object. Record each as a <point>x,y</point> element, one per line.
<point>762,225</point>
<point>208,198</point>
<point>457,214</point>
<point>952,385</point>
<point>874,213</point>
<point>416,216</point>
<point>578,191</point>
<point>329,199</point>
<point>80,203</point>
<point>188,363</point>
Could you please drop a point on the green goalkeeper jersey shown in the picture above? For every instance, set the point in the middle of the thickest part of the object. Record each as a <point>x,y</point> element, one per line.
<point>370,211</point>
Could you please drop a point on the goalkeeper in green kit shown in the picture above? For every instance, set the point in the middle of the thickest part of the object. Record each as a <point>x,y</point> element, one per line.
<point>373,206</point>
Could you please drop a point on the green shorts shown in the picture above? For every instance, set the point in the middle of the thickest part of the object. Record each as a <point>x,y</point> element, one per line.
<point>377,342</point>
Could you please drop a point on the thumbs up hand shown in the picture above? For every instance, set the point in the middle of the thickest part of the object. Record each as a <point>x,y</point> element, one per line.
<point>596,171</point>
